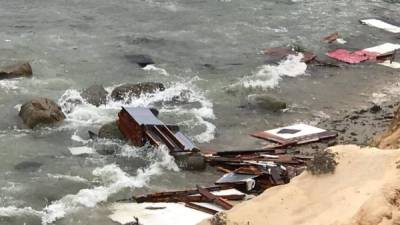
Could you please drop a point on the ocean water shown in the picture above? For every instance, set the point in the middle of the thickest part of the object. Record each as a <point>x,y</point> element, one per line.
<point>208,55</point>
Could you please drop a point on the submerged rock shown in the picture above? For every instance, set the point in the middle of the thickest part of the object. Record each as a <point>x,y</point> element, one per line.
<point>111,131</point>
<point>265,102</point>
<point>30,166</point>
<point>191,161</point>
<point>375,109</point>
<point>95,95</point>
<point>140,60</point>
<point>17,70</point>
<point>41,111</point>
<point>135,90</point>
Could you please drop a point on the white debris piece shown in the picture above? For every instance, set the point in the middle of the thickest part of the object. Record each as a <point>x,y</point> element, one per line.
<point>341,41</point>
<point>231,191</point>
<point>81,150</point>
<point>299,130</point>
<point>383,48</point>
<point>394,65</point>
<point>157,213</point>
<point>382,25</point>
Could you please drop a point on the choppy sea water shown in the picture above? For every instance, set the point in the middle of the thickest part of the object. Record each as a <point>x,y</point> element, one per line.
<point>207,53</point>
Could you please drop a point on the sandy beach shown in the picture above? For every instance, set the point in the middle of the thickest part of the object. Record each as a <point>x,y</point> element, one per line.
<point>364,190</point>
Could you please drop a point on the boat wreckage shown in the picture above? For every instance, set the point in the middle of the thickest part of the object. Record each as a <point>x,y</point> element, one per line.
<point>247,172</point>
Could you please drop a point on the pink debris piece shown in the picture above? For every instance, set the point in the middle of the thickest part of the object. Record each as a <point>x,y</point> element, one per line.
<point>349,57</point>
<point>371,55</point>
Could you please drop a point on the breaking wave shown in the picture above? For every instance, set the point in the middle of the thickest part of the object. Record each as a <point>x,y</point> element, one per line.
<point>269,76</point>
<point>156,69</point>
<point>68,177</point>
<point>112,179</point>
<point>12,211</point>
<point>174,99</point>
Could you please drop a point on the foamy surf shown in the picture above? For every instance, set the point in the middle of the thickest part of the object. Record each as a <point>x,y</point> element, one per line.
<point>112,179</point>
<point>156,69</point>
<point>269,76</point>
<point>12,211</point>
<point>77,179</point>
<point>172,100</point>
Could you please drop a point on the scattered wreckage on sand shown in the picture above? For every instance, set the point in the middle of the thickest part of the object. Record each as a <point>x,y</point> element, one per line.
<point>247,172</point>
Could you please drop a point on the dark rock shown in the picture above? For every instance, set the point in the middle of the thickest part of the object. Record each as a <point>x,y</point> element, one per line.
<point>375,109</point>
<point>111,131</point>
<point>362,111</point>
<point>135,90</point>
<point>354,117</point>
<point>92,135</point>
<point>332,143</point>
<point>341,130</point>
<point>107,148</point>
<point>95,95</point>
<point>17,70</point>
<point>141,60</point>
<point>41,111</point>
<point>265,102</point>
<point>323,162</point>
<point>30,166</point>
<point>190,161</point>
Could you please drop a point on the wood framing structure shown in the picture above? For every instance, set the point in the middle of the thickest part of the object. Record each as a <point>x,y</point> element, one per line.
<point>141,126</point>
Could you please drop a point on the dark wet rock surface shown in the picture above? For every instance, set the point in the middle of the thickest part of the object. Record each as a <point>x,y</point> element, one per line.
<point>111,131</point>
<point>358,127</point>
<point>28,166</point>
<point>265,102</point>
<point>95,95</point>
<point>42,111</point>
<point>16,70</point>
<point>140,60</point>
<point>135,90</point>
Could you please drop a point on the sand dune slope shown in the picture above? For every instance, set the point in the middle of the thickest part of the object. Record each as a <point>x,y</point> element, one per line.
<point>364,190</point>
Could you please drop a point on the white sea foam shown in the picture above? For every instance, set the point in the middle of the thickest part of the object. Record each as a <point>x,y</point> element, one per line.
<point>77,138</point>
<point>68,177</point>
<point>10,85</point>
<point>156,69</point>
<point>12,211</point>
<point>269,76</point>
<point>385,94</point>
<point>113,180</point>
<point>81,114</point>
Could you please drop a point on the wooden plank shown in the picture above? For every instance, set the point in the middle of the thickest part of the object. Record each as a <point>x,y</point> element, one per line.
<point>164,138</point>
<point>217,200</point>
<point>179,193</point>
<point>201,208</point>
<point>186,198</point>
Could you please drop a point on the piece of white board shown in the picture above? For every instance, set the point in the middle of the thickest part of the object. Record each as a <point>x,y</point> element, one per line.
<point>157,213</point>
<point>302,130</point>
<point>81,150</point>
<point>383,48</point>
<point>382,25</point>
<point>394,65</point>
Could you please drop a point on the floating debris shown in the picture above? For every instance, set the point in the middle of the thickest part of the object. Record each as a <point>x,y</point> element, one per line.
<point>332,37</point>
<point>381,24</point>
<point>141,126</point>
<point>295,134</point>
